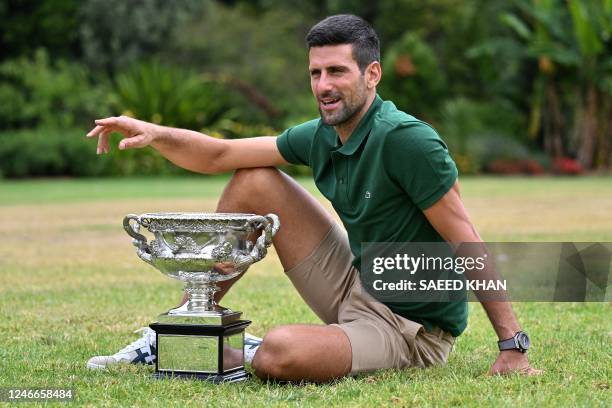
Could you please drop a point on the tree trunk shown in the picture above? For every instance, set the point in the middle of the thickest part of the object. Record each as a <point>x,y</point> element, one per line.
<point>588,128</point>
<point>604,141</point>
<point>553,126</point>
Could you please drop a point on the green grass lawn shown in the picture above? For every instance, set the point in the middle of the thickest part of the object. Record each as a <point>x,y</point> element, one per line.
<point>71,286</point>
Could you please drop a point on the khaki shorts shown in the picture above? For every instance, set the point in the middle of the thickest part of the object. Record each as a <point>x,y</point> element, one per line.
<point>330,285</point>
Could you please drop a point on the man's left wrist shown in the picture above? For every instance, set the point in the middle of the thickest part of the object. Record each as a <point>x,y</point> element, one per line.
<point>519,342</point>
<point>512,352</point>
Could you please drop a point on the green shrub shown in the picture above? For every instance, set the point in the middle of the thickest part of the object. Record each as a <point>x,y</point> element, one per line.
<point>37,93</point>
<point>43,152</point>
<point>170,95</point>
<point>478,133</point>
<point>230,129</point>
<point>46,152</point>
<point>412,76</point>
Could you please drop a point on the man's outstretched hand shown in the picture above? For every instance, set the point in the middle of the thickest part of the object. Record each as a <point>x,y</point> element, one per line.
<point>136,133</point>
<point>512,362</point>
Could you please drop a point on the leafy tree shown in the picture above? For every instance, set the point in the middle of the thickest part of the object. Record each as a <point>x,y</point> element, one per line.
<point>115,33</point>
<point>29,25</point>
<point>263,56</point>
<point>412,76</point>
<point>571,95</point>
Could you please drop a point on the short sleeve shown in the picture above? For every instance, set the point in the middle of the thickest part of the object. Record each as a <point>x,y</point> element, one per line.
<point>418,159</point>
<point>295,143</point>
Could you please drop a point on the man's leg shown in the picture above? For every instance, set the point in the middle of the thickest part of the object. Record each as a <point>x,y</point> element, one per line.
<point>294,352</point>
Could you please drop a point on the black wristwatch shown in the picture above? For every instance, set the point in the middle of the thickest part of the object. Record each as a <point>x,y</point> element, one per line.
<point>520,341</point>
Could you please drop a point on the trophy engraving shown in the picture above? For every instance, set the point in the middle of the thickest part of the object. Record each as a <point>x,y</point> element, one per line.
<point>200,338</point>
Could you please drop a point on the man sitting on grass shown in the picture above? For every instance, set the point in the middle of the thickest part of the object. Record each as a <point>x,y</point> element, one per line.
<point>389,177</point>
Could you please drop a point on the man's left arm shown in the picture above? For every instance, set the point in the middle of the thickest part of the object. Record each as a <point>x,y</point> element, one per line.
<point>450,218</point>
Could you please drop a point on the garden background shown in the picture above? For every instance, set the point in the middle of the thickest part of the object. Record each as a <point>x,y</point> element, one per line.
<point>512,86</point>
<point>517,87</point>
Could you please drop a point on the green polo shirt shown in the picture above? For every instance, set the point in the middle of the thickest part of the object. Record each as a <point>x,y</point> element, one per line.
<point>391,168</point>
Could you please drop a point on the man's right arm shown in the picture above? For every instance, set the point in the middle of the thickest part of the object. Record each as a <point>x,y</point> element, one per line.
<point>189,149</point>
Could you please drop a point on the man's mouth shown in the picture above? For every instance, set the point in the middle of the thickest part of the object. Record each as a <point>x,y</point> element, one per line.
<point>329,103</point>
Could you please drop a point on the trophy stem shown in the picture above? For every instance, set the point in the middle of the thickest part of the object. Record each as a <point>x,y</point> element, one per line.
<point>201,297</point>
<point>200,307</point>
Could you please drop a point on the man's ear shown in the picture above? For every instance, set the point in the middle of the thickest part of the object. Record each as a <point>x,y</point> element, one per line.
<point>373,73</point>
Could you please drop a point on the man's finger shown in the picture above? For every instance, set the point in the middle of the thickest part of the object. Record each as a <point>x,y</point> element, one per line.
<point>103,141</point>
<point>112,121</point>
<point>101,148</point>
<point>122,124</point>
<point>115,124</point>
<point>95,131</point>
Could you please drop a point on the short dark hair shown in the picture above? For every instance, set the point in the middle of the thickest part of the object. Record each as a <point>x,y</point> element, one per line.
<point>347,29</point>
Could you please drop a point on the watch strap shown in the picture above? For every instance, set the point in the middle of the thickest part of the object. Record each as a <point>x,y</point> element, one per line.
<point>508,344</point>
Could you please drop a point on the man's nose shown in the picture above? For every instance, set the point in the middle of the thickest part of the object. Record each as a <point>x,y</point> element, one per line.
<point>324,84</point>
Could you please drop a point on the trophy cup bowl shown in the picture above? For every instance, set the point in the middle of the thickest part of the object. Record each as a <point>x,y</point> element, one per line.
<point>201,338</point>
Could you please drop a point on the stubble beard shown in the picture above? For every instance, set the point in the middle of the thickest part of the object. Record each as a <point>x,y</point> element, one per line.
<point>347,111</point>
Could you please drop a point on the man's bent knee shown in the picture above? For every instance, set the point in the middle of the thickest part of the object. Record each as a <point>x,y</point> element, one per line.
<point>255,177</point>
<point>288,353</point>
<point>246,186</point>
<point>275,356</point>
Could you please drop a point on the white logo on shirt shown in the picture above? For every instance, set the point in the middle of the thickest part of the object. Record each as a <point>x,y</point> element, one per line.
<point>367,194</point>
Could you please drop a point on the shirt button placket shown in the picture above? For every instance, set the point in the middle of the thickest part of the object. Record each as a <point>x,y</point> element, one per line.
<point>343,182</point>
<point>340,167</point>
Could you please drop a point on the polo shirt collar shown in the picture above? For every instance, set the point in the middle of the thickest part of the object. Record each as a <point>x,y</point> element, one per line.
<point>361,131</point>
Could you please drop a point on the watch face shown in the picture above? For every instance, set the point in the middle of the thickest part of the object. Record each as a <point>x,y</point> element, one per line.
<point>523,340</point>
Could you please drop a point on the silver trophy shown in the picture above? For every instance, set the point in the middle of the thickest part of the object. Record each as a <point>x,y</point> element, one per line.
<point>201,339</point>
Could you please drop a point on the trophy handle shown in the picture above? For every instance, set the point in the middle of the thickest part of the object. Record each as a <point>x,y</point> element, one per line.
<point>139,241</point>
<point>269,225</point>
